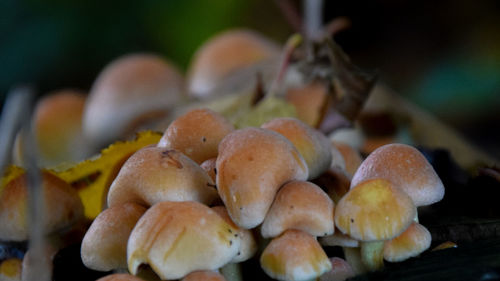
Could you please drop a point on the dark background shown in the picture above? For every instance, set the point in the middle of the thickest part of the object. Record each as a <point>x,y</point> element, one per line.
<point>442,55</point>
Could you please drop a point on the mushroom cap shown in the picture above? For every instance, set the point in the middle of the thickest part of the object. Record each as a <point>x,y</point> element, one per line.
<point>204,276</point>
<point>311,143</point>
<point>352,157</point>
<point>197,134</point>
<point>57,126</point>
<point>252,165</point>
<point>129,92</point>
<point>300,205</point>
<point>406,168</point>
<point>119,277</point>
<point>63,206</point>
<point>209,167</point>
<point>412,242</point>
<point>248,245</point>
<point>176,238</point>
<point>374,210</point>
<point>104,246</point>
<point>155,174</point>
<point>295,255</point>
<point>309,101</point>
<point>341,270</point>
<point>339,239</point>
<point>225,53</point>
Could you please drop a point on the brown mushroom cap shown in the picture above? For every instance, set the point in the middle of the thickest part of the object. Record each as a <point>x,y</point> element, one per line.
<point>252,165</point>
<point>104,246</point>
<point>155,174</point>
<point>130,91</point>
<point>295,255</point>
<point>374,210</point>
<point>300,205</point>
<point>406,168</point>
<point>176,238</point>
<point>119,277</point>
<point>197,134</point>
<point>412,242</point>
<point>309,101</point>
<point>204,276</point>
<point>63,206</point>
<point>223,54</point>
<point>312,144</point>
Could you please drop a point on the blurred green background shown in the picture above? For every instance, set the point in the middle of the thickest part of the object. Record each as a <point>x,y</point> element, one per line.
<point>442,55</point>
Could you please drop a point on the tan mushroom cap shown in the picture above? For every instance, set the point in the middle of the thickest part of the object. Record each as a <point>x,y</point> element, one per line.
<point>352,157</point>
<point>248,245</point>
<point>300,205</point>
<point>406,168</point>
<point>225,53</point>
<point>295,255</point>
<point>312,144</point>
<point>155,174</point>
<point>104,246</point>
<point>204,276</point>
<point>176,238</point>
<point>63,206</point>
<point>411,243</point>
<point>374,210</point>
<point>252,165</point>
<point>128,93</point>
<point>197,134</point>
<point>119,277</point>
<point>210,168</point>
<point>341,270</point>
<point>309,101</point>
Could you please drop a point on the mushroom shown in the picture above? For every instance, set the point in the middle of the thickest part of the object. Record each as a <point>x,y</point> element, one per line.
<point>130,93</point>
<point>310,102</point>
<point>119,277</point>
<point>300,205</point>
<point>209,167</point>
<point>312,144</point>
<point>372,212</point>
<point>204,276</point>
<point>341,270</point>
<point>104,246</point>
<point>406,168</point>
<point>196,134</point>
<point>176,238</point>
<point>63,207</point>
<point>411,243</point>
<point>295,255</point>
<point>352,158</point>
<point>352,136</point>
<point>252,165</point>
<point>224,54</point>
<point>155,174</point>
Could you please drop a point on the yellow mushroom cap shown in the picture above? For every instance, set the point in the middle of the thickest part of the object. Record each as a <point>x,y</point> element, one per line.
<point>300,205</point>
<point>406,168</point>
<point>204,276</point>
<point>252,165</point>
<point>63,206</point>
<point>374,210</point>
<point>295,255</point>
<point>197,134</point>
<point>176,238</point>
<point>312,144</point>
<point>412,242</point>
<point>104,246</point>
<point>155,174</point>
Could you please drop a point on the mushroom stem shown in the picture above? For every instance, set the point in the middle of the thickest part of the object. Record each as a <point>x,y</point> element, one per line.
<point>232,272</point>
<point>372,255</point>
<point>353,258</point>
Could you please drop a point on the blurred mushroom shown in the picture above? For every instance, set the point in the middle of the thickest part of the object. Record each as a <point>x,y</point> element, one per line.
<point>372,212</point>
<point>352,136</point>
<point>411,243</point>
<point>312,144</point>
<point>224,54</point>
<point>197,134</point>
<point>252,165</point>
<point>176,238</point>
<point>119,277</point>
<point>204,276</point>
<point>130,93</point>
<point>63,207</point>
<point>341,270</point>
<point>352,158</point>
<point>155,174</point>
<point>300,205</point>
<point>310,101</point>
<point>104,246</point>
<point>295,255</point>
<point>10,269</point>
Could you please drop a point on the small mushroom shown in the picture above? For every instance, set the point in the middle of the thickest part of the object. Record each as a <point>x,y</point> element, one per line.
<point>372,212</point>
<point>310,102</point>
<point>63,207</point>
<point>204,276</point>
<point>352,158</point>
<point>196,134</point>
<point>119,277</point>
<point>252,165</point>
<point>312,144</point>
<point>104,246</point>
<point>341,271</point>
<point>300,205</point>
<point>155,174</point>
<point>295,255</point>
<point>176,238</point>
<point>411,243</point>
